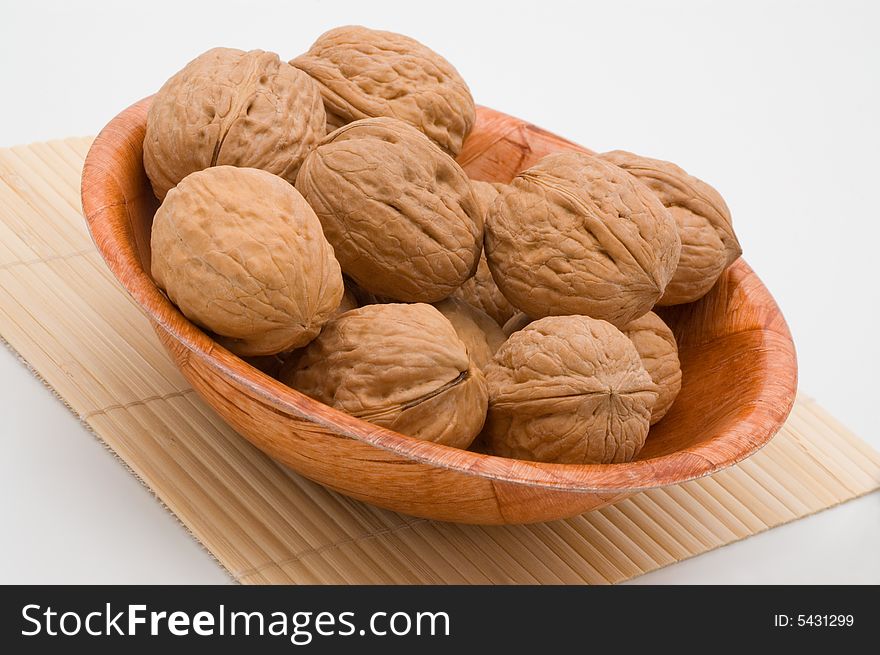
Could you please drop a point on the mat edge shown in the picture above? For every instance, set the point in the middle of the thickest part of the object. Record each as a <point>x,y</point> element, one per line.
<point>119,458</point>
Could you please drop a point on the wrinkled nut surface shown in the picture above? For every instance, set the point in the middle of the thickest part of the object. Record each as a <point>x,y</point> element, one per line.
<point>241,253</point>
<point>477,330</point>
<point>400,213</point>
<point>366,73</point>
<point>577,235</point>
<point>708,242</point>
<point>399,366</point>
<point>481,290</point>
<point>232,107</point>
<point>486,193</point>
<point>658,350</point>
<point>571,390</point>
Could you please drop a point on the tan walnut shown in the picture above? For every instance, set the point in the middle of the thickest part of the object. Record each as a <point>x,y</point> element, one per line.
<point>658,350</point>
<point>477,330</point>
<point>481,290</point>
<point>349,301</point>
<point>400,213</point>
<point>516,323</point>
<point>362,296</point>
<point>708,243</point>
<point>241,253</point>
<point>571,390</point>
<point>366,73</point>
<point>399,366</point>
<point>577,235</point>
<point>232,107</point>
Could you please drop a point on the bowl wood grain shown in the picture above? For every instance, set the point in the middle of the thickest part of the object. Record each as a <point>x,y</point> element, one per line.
<point>738,361</point>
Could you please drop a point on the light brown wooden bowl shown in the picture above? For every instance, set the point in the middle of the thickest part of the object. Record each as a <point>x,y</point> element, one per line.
<point>738,361</point>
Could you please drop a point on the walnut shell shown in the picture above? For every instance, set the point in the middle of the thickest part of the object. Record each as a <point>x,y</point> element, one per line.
<point>361,296</point>
<point>568,389</point>
<point>400,213</point>
<point>486,193</point>
<point>577,235</point>
<point>516,323</point>
<point>366,73</point>
<point>479,332</point>
<point>658,350</point>
<point>241,253</point>
<point>481,290</point>
<point>400,366</point>
<point>232,107</point>
<point>349,301</point>
<point>708,243</point>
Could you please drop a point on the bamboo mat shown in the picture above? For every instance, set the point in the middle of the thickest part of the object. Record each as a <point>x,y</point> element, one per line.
<point>65,316</point>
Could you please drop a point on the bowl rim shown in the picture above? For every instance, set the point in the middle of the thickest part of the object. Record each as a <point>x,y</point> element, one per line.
<point>103,194</point>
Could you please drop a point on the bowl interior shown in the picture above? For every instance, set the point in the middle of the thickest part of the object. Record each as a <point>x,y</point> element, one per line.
<point>739,369</point>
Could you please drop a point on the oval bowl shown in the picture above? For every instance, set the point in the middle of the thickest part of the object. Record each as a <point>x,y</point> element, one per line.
<point>738,362</point>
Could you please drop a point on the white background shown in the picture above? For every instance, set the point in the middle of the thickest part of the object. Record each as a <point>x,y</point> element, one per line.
<point>776,104</point>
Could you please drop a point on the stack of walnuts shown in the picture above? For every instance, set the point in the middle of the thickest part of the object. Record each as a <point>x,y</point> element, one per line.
<point>314,211</point>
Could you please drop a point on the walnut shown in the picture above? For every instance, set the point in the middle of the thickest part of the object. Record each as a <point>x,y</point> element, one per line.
<point>516,323</point>
<point>241,253</point>
<point>577,235</point>
<point>232,107</point>
<point>486,193</point>
<point>479,332</point>
<point>568,389</point>
<point>481,290</point>
<point>349,301</point>
<point>366,73</point>
<point>708,243</point>
<point>361,296</point>
<point>658,350</point>
<point>400,213</point>
<point>396,365</point>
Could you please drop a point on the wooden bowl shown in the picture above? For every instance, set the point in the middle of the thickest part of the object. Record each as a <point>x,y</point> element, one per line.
<point>738,361</point>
